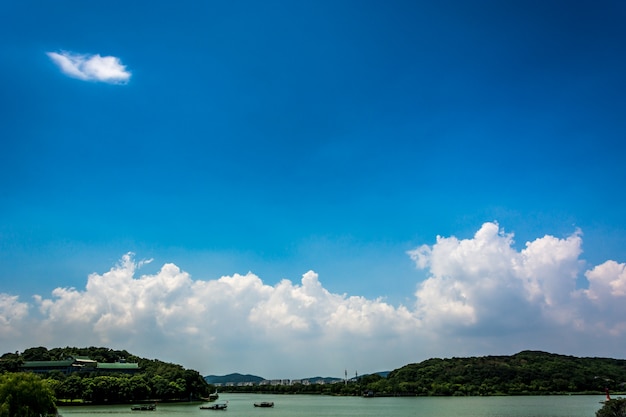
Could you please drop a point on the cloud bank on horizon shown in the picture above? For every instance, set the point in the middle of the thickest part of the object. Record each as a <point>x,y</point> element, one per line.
<point>107,69</point>
<point>482,296</point>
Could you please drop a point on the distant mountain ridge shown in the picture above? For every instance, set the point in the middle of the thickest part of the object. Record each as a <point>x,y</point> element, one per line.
<point>237,378</point>
<point>234,378</point>
<point>321,379</point>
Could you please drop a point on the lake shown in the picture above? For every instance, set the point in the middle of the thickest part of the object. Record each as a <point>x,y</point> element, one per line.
<point>241,405</point>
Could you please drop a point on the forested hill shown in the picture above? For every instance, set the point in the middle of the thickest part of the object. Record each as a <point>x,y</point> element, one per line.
<point>528,372</point>
<point>525,373</point>
<point>232,379</point>
<point>151,380</point>
<point>99,354</point>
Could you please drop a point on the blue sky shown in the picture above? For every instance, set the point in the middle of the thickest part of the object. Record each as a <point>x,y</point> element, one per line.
<point>279,139</point>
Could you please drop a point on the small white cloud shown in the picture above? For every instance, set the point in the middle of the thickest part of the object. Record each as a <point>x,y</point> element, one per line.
<point>12,312</point>
<point>107,69</point>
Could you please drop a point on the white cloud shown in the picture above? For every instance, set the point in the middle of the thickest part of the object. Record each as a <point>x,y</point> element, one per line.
<point>607,280</point>
<point>606,299</point>
<point>482,296</point>
<point>108,69</point>
<point>12,314</point>
<point>485,282</point>
<point>234,321</point>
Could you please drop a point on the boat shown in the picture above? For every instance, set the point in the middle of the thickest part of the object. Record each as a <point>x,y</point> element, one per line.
<point>216,406</point>
<point>146,407</point>
<point>264,404</point>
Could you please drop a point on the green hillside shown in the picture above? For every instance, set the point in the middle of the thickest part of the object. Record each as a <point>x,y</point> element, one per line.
<point>113,382</point>
<point>528,372</point>
<point>233,379</point>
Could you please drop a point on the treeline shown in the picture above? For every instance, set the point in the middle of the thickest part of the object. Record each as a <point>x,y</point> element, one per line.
<point>155,380</point>
<point>526,373</point>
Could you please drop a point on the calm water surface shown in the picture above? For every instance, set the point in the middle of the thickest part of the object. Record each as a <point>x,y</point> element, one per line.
<point>241,405</point>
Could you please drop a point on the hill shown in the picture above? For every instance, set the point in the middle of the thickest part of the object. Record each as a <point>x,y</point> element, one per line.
<point>237,378</point>
<point>233,379</point>
<point>322,380</point>
<point>527,372</point>
<point>65,370</point>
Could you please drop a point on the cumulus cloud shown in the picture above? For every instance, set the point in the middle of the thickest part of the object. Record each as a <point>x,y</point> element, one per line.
<point>474,281</point>
<point>12,314</point>
<point>606,295</point>
<point>108,69</point>
<point>236,320</point>
<point>482,296</point>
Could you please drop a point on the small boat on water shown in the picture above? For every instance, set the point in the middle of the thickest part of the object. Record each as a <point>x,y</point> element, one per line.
<point>146,407</point>
<point>264,404</point>
<point>216,406</point>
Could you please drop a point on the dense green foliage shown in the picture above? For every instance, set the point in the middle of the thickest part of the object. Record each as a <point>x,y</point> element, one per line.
<point>156,380</point>
<point>526,373</point>
<point>613,408</point>
<point>25,395</point>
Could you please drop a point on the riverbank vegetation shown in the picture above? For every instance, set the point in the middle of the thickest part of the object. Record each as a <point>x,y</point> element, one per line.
<point>613,408</point>
<point>25,395</point>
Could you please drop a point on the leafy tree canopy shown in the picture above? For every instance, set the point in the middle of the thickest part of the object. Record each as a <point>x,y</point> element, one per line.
<point>25,395</point>
<point>613,408</point>
<point>528,372</point>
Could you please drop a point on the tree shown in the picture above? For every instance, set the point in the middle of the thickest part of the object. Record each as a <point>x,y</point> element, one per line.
<point>25,395</point>
<point>140,388</point>
<point>71,388</point>
<point>613,408</point>
<point>36,354</point>
<point>10,362</point>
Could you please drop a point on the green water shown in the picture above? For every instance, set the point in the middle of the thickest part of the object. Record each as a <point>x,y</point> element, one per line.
<point>242,405</point>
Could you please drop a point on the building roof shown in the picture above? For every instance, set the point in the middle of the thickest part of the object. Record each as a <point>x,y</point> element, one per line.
<point>84,360</point>
<point>47,364</point>
<point>118,366</point>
